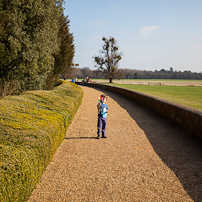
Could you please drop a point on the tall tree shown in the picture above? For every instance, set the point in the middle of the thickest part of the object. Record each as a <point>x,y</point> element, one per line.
<point>31,38</point>
<point>63,60</point>
<point>109,58</point>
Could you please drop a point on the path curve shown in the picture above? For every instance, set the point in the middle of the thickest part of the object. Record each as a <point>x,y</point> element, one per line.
<point>143,158</point>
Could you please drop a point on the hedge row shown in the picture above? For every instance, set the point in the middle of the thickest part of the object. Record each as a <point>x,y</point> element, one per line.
<point>32,126</point>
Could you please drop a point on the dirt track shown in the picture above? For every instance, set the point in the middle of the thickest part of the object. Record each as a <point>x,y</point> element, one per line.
<point>144,158</point>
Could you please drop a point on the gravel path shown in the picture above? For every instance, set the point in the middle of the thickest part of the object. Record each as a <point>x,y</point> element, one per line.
<point>144,158</point>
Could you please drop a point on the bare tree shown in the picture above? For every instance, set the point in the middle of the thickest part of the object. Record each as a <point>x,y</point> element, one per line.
<point>109,58</point>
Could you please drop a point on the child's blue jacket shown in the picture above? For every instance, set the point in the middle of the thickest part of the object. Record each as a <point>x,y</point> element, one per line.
<point>102,110</point>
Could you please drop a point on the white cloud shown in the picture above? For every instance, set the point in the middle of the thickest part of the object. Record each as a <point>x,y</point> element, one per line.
<point>197,46</point>
<point>199,38</point>
<point>97,23</point>
<point>113,7</point>
<point>147,30</point>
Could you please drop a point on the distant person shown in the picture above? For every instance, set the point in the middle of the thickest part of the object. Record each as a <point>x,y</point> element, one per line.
<point>102,116</point>
<point>88,80</point>
<point>85,80</point>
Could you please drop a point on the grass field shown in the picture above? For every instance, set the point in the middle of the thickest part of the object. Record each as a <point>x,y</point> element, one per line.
<point>186,95</point>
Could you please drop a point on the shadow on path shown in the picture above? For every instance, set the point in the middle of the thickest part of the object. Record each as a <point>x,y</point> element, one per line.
<point>179,149</point>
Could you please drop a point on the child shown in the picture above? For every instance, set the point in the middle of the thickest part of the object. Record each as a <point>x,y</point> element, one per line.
<point>102,116</point>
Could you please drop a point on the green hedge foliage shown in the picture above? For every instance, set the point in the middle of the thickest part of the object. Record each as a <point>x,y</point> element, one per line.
<point>32,126</point>
<point>35,43</point>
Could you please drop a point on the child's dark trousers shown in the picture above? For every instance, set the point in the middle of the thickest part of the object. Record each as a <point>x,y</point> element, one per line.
<point>101,125</point>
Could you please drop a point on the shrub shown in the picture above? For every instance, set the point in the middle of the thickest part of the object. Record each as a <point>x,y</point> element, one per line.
<point>32,126</point>
<point>8,87</point>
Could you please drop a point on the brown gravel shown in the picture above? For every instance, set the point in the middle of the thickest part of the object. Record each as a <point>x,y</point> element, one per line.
<point>144,158</point>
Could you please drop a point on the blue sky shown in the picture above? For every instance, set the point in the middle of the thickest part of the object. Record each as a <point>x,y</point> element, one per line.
<point>151,34</point>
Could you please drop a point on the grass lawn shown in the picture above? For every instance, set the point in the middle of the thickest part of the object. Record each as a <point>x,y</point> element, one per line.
<point>186,95</point>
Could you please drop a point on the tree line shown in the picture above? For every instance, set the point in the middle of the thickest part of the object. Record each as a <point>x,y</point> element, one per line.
<point>162,74</point>
<point>81,73</point>
<point>35,44</point>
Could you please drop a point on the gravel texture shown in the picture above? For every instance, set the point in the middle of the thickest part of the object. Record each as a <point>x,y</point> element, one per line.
<point>143,158</point>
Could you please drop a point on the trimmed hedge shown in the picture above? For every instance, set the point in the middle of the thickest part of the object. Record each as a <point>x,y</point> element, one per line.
<point>32,126</point>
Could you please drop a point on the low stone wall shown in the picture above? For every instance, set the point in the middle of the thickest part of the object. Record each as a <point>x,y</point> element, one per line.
<point>186,117</point>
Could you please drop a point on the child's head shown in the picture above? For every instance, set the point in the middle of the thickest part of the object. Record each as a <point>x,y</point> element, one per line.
<point>103,98</point>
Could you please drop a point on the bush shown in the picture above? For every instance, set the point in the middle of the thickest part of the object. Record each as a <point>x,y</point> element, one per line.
<point>8,87</point>
<point>32,126</point>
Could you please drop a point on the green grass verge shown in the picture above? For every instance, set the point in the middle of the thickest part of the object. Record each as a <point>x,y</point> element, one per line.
<point>32,126</point>
<point>186,95</point>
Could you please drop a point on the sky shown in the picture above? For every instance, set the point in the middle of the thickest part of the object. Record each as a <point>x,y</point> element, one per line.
<point>150,34</point>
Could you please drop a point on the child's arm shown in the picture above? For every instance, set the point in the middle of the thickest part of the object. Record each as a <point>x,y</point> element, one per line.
<point>99,104</point>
